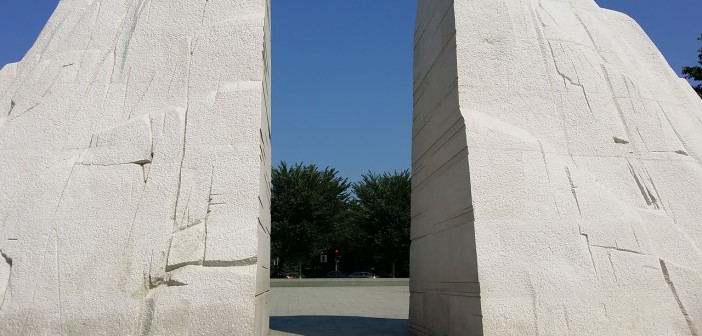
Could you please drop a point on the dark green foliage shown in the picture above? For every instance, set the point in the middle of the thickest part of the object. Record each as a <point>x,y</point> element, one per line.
<point>307,204</point>
<point>695,72</point>
<point>314,214</point>
<point>382,214</point>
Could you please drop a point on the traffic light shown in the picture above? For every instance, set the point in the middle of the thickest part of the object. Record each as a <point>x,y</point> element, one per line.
<point>336,251</point>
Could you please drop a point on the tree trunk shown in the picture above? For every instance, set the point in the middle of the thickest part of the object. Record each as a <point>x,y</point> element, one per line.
<point>299,268</point>
<point>394,261</point>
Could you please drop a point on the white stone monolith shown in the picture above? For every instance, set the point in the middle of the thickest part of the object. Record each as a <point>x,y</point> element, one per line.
<point>556,175</point>
<point>134,171</point>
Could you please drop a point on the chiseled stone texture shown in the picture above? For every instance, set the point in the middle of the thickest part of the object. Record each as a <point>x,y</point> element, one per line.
<point>134,171</point>
<point>556,175</point>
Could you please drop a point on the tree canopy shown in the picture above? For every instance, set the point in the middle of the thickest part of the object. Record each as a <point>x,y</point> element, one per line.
<point>695,72</point>
<point>364,226</point>
<point>307,203</point>
<point>383,213</point>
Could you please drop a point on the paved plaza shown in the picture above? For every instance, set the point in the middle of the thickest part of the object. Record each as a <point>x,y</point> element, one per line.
<point>342,311</point>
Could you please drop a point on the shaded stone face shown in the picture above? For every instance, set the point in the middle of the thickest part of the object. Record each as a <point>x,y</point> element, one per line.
<point>134,171</point>
<point>556,175</point>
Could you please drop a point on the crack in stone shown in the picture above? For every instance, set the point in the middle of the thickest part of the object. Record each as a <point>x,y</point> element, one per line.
<point>214,264</point>
<point>572,189</point>
<point>620,141</point>
<point>534,307</point>
<point>147,314</point>
<point>681,152</point>
<point>5,282</point>
<point>204,10</point>
<point>135,14</point>
<point>264,292</point>
<point>614,270</point>
<point>58,279</point>
<point>589,249</point>
<point>12,107</point>
<point>138,163</point>
<point>8,260</point>
<point>618,106</point>
<point>185,134</point>
<point>617,249</point>
<point>231,263</point>
<point>675,130</point>
<point>171,268</point>
<point>543,156</point>
<point>143,94</point>
<point>176,283</point>
<point>647,195</point>
<point>671,285</point>
<point>207,214</point>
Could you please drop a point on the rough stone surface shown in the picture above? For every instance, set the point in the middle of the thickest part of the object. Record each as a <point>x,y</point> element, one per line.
<point>556,175</point>
<point>134,171</point>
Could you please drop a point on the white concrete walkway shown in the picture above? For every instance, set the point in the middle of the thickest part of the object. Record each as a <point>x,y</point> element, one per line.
<point>342,311</point>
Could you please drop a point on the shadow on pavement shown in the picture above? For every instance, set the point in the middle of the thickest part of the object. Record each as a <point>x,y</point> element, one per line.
<point>338,326</point>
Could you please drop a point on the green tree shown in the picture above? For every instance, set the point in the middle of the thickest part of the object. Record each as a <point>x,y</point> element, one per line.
<point>695,72</point>
<point>307,206</point>
<point>383,214</point>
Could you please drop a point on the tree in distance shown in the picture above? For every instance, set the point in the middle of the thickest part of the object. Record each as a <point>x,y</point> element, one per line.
<point>307,205</point>
<point>382,213</point>
<point>695,72</point>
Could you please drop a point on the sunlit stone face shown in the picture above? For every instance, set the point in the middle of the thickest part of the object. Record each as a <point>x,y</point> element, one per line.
<point>556,175</point>
<point>134,159</point>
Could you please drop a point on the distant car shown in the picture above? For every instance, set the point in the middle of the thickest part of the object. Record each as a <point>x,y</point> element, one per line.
<point>363,275</point>
<point>281,275</point>
<point>337,274</point>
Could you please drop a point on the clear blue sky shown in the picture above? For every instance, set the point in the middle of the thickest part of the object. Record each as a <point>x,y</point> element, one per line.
<point>342,71</point>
